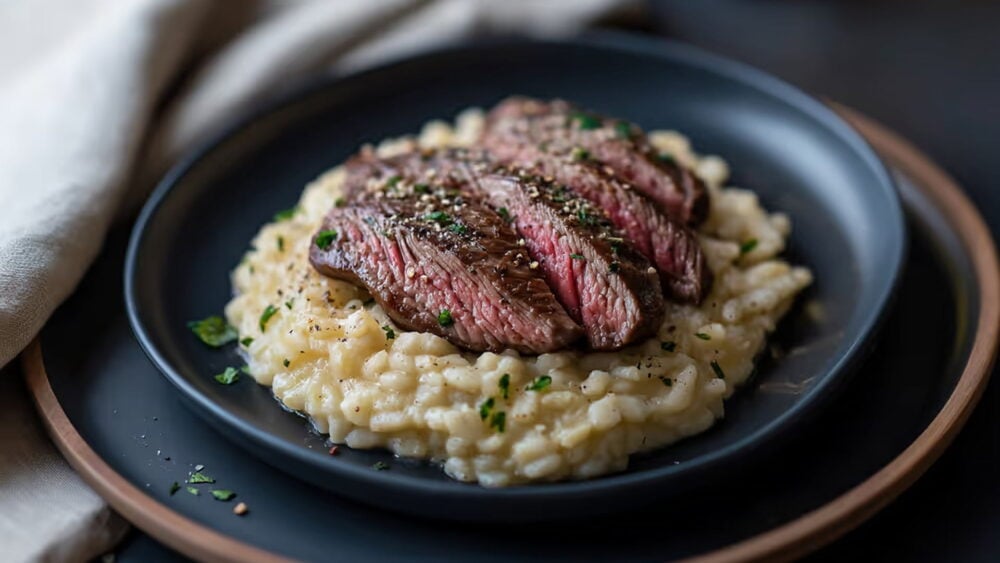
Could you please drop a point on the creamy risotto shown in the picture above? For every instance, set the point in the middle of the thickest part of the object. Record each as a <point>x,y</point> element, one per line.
<point>328,351</point>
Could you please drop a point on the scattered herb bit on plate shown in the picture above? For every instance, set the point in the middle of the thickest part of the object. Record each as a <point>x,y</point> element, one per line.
<point>380,466</point>
<point>576,256</point>
<point>703,336</point>
<point>198,478</point>
<point>718,370</point>
<point>223,494</point>
<point>213,331</point>
<point>389,333</point>
<point>748,246</point>
<point>286,362</point>
<point>246,342</point>
<point>192,490</point>
<point>228,377</point>
<point>339,202</point>
<point>667,381</point>
<point>174,488</point>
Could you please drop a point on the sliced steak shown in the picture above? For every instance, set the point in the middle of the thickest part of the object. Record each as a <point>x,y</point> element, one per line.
<point>560,128</point>
<point>454,269</point>
<point>668,244</point>
<point>606,285</point>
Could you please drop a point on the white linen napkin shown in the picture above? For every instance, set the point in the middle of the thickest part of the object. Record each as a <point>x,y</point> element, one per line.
<point>97,99</point>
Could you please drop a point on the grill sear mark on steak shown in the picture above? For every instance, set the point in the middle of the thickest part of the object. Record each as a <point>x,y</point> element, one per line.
<point>559,128</point>
<point>421,254</point>
<point>606,285</point>
<point>671,246</point>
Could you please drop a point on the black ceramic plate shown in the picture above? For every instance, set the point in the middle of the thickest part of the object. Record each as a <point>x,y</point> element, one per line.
<point>130,417</point>
<point>799,156</point>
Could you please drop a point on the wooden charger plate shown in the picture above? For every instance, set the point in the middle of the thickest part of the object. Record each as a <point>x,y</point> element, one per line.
<point>786,540</point>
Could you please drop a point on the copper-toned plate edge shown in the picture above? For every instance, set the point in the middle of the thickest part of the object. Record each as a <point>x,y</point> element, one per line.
<point>793,539</point>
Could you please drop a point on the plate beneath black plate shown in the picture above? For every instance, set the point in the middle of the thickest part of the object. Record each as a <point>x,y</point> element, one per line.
<point>793,151</point>
<point>125,429</point>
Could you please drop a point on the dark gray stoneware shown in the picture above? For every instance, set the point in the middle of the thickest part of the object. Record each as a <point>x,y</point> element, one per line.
<point>794,152</point>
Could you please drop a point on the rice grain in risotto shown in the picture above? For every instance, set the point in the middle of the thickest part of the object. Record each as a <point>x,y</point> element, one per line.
<point>331,353</point>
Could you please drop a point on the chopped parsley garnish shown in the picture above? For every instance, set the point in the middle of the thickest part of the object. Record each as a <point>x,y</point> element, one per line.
<point>748,246</point>
<point>667,158</point>
<point>389,333</point>
<point>380,466</point>
<point>540,383</point>
<point>266,315</point>
<point>623,130</point>
<point>246,342</point>
<point>245,369</point>
<point>223,494</point>
<point>586,218</point>
<point>339,202</point>
<point>391,182</point>
<point>718,370</point>
<point>668,346</point>
<point>286,214</point>
<point>486,408</point>
<point>228,377</point>
<point>325,238</point>
<point>213,331</point>
<point>174,488</point>
<point>198,477</point>
<point>457,228</point>
<point>579,154</point>
<point>439,217</point>
<point>614,267</point>
<point>576,256</point>
<point>444,318</point>
<point>421,188</point>
<point>703,336</point>
<point>286,362</point>
<point>667,381</point>
<point>499,421</point>
<point>281,244</point>
<point>504,214</point>
<point>192,490</point>
<point>288,304</point>
<point>504,385</point>
<point>586,122</point>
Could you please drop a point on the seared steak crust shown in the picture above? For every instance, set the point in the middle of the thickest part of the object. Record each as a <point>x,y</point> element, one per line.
<point>441,264</point>
<point>560,128</point>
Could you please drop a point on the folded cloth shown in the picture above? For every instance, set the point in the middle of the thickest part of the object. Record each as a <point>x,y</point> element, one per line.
<point>97,99</point>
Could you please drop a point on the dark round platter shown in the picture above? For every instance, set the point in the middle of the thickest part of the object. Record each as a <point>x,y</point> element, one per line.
<point>848,230</point>
<point>130,436</point>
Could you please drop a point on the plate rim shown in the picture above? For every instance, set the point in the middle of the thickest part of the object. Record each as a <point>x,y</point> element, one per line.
<point>792,539</point>
<point>771,432</point>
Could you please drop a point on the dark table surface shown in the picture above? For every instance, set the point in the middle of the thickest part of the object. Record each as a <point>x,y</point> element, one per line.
<point>930,70</point>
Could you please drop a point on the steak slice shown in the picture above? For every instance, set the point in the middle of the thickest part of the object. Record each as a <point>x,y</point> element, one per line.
<point>606,285</point>
<point>667,243</point>
<point>602,281</point>
<point>560,128</point>
<point>453,269</point>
